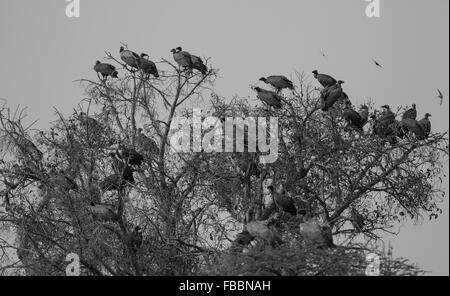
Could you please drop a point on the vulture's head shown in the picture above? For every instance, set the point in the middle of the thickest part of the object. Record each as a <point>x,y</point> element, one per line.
<point>427,115</point>
<point>315,73</point>
<point>414,106</point>
<point>386,107</point>
<point>263,79</point>
<point>179,48</point>
<point>340,82</point>
<point>256,88</point>
<point>173,50</point>
<point>364,107</point>
<point>121,49</point>
<point>144,55</point>
<point>97,62</point>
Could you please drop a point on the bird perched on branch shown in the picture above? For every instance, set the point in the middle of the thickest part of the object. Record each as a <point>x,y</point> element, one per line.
<point>105,70</point>
<point>129,156</point>
<point>355,119</point>
<point>330,95</point>
<point>268,97</point>
<point>426,125</point>
<point>130,58</point>
<point>146,145</point>
<point>118,181</point>
<point>410,113</point>
<point>183,58</point>
<point>28,149</point>
<point>279,82</point>
<point>411,125</point>
<point>196,62</point>
<point>324,79</point>
<point>147,66</point>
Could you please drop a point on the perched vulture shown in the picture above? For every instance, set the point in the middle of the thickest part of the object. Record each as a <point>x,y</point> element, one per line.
<point>355,119</point>
<point>387,130</point>
<point>268,97</point>
<point>103,212</point>
<point>196,63</point>
<point>130,58</point>
<point>318,234</point>
<point>259,229</point>
<point>426,125</point>
<point>182,58</point>
<point>130,156</point>
<point>324,80</point>
<point>411,125</point>
<point>410,113</point>
<point>387,116</point>
<point>118,181</point>
<point>331,95</point>
<point>145,144</point>
<point>105,70</point>
<point>282,200</point>
<point>279,82</point>
<point>147,66</point>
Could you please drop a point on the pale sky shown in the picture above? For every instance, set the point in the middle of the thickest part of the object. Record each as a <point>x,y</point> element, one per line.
<point>44,51</point>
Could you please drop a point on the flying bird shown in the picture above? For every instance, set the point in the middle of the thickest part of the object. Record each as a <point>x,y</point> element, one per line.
<point>376,63</point>
<point>440,96</point>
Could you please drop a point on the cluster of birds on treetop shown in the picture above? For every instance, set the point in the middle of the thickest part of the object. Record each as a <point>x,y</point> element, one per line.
<point>142,62</point>
<point>385,125</point>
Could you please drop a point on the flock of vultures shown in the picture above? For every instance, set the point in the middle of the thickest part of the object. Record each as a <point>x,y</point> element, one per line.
<point>126,160</point>
<point>384,125</point>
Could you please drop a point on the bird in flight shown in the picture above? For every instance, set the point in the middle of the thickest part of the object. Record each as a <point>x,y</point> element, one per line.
<point>376,63</point>
<point>440,96</point>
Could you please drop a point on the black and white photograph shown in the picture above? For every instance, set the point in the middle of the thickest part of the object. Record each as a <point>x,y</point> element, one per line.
<point>219,145</point>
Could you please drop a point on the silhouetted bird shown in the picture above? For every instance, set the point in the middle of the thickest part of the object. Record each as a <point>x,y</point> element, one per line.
<point>105,70</point>
<point>279,82</point>
<point>377,64</point>
<point>268,97</point>
<point>410,113</point>
<point>196,62</point>
<point>182,58</point>
<point>147,66</point>
<point>130,58</point>
<point>282,200</point>
<point>440,96</point>
<point>330,95</point>
<point>426,125</point>
<point>324,79</point>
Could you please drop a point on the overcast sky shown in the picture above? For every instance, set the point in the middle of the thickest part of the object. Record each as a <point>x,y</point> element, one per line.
<point>43,51</point>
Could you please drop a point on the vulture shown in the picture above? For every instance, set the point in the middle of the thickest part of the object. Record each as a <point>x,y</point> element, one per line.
<point>387,116</point>
<point>411,125</point>
<point>147,66</point>
<point>268,97</point>
<point>103,212</point>
<point>316,233</point>
<point>426,125</point>
<point>105,70</point>
<point>182,58</point>
<point>440,96</point>
<point>196,62</point>
<point>331,95</point>
<point>355,119</point>
<point>130,156</point>
<point>130,58</point>
<point>410,113</point>
<point>259,229</point>
<point>279,82</point>
<point>324,80</point>
<point>118,181</point>
<point>282,200</point>
<point>145,144</point>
